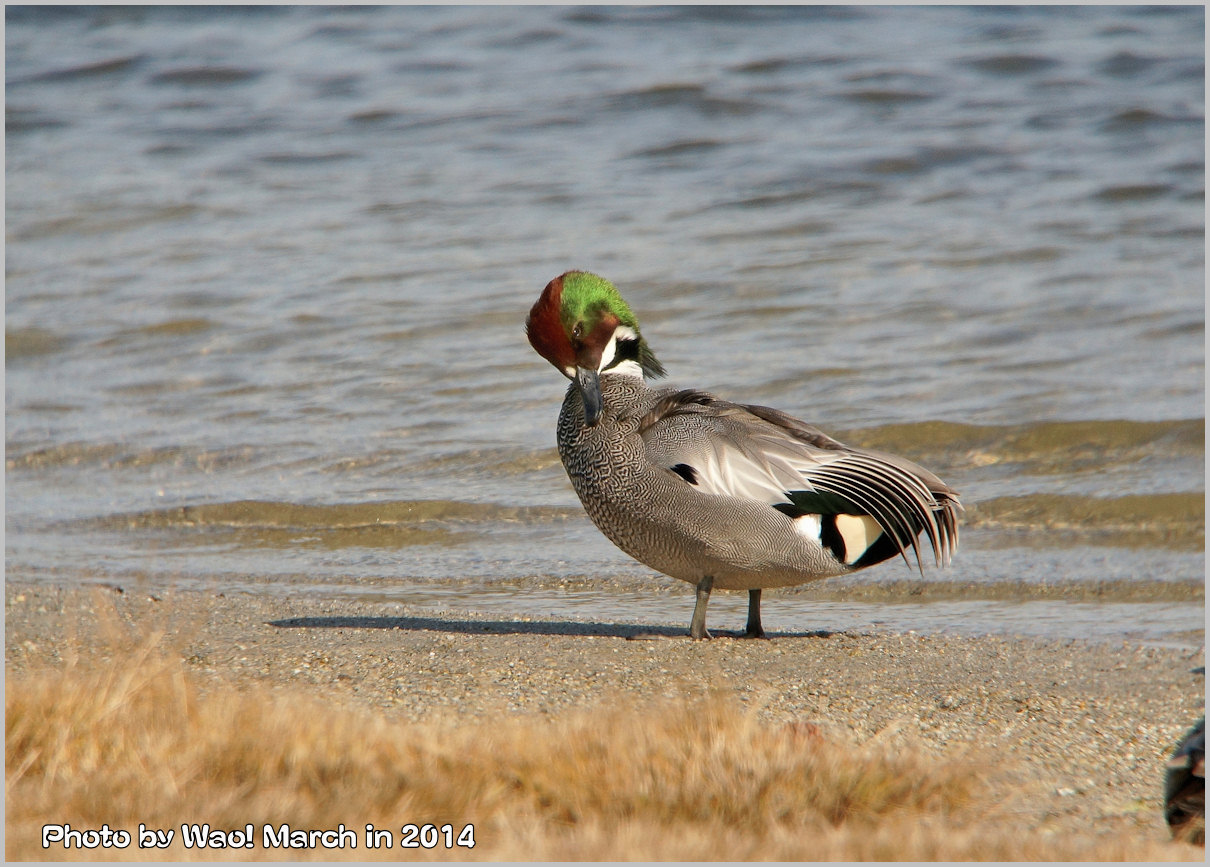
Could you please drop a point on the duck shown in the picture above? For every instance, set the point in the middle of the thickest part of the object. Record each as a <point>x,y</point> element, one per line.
<point>1185,787</point>
<point>721,495</point>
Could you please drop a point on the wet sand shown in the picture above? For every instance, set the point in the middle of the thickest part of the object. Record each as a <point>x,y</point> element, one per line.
<point>1076,732</point>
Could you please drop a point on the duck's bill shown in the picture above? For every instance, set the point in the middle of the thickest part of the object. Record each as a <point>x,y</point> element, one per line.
<point>589,385</point>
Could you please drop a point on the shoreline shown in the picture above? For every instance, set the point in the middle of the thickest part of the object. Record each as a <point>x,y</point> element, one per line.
<point>1154,611</point>
<point>1086,726</point>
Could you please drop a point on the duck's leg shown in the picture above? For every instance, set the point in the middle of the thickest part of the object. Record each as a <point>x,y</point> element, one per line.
<point>697,627</point>
<point>754,630</point>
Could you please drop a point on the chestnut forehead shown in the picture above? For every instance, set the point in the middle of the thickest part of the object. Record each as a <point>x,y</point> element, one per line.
<point>547,309</point>
<point>545,327</point>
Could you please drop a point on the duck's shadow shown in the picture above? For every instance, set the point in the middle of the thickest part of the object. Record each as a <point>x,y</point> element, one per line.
<point>631,631</point>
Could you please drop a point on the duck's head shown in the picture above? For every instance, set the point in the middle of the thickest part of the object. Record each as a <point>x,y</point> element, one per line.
<point>582,326</point>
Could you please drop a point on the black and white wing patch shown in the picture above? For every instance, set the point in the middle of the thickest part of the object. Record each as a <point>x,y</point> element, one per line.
<point>862,506</point>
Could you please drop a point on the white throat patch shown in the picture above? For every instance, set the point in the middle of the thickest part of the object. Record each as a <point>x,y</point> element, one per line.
<point>628,367</point>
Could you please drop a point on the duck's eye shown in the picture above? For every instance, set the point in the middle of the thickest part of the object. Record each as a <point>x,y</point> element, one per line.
<point>578,331</point>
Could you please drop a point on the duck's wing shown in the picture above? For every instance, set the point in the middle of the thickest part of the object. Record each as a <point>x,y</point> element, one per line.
<point>863,505</point>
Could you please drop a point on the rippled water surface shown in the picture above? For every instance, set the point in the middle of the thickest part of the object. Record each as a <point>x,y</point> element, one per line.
<point>267,271</point>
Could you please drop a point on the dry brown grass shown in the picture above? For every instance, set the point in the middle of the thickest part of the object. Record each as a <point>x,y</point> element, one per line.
<point>137,740</point>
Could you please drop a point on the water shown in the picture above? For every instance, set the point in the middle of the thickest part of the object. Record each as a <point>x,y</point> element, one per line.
<point>267,270</point>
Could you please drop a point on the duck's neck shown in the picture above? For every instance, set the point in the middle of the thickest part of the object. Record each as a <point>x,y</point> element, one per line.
<point>625,368</point>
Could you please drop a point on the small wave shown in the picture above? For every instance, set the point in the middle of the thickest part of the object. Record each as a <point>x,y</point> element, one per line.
<point>340,516</point>
<point>19,120</point>
<point>917,590</point>
<point>774,65</point>
<point>1126,64</point>
<point>271,524</point>
<point>693,97</point>
<point>679,148</point>
<point>793,229</point>
<point>430,67</point>
<point>886,96</point>
<point>205,76</point>
<point>177,327</point>
<point>498,461</point>
<point>288,159</point>
<point>1023,256</point>
<point>539,36</point>
<point>105,220</point>
<point>794,192</point>
<point>66,455</point>
<point>1175,521</point>
<point>1136,119</point>
<point>1013,64</point>
<point>29,342</point>
<point>1133,192</point>
<point>1044,447</point>
<point>98,69</point>
<point>115,456</point>
<point>374,116</point>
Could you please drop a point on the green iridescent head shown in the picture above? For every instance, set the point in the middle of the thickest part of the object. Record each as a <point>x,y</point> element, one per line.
<point>583,326</point>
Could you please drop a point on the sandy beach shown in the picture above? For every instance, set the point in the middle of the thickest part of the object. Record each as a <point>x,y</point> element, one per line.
<point>1082,730</point>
